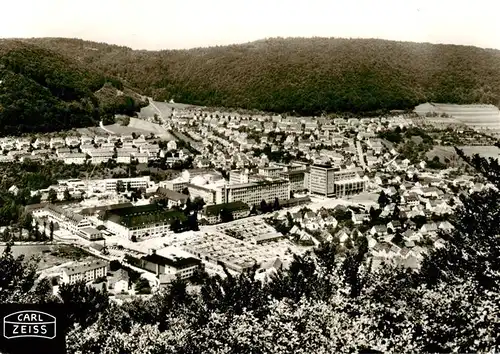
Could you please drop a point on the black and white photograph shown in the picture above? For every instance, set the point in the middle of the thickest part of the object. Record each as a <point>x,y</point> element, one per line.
<point>249,177</point>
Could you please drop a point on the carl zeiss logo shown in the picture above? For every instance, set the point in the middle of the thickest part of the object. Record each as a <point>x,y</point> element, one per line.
<point>29,323</point>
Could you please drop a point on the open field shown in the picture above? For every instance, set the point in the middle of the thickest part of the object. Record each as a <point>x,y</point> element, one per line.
<point>448,152</point>
<point>483,151</point>
<point>50,255</point>
<point>125,130</point>
<point>445,152</point>
<point>142,124</point>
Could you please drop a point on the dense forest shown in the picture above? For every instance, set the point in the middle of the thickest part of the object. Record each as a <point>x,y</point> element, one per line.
<point>42,91</point>
<point>324,303</point>
<point>302,75</point>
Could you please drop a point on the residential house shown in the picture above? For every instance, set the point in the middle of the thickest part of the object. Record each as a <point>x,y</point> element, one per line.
<point>72,141</point>
<point>141,157</point>
<point>13,190</point>
<point>358,219</point>
<point>113,139</point>
<point>57,143</point>
<point>394,226</point>
<point>428,228</point>
<point>99,139</point>
<point>41,143</point>
<point>86,140</point>
<point>73,158</point>
<point>431,192</point>
<point>99,156</point>
<point>118,282</point>
<point>445,226</point>
<point>126,139</point>
<point>380,230</point>
<point>23,144</point>
<point>171,145</point>
<point>123,157</point>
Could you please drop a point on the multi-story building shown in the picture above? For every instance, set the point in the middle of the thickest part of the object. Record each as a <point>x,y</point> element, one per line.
<point>271,171</point>
<point>177,184</point>
<point>238,176</point>
<point>66,219</point>
<point>254,192</point>
<point>83,271</point>
<point>109,184</point>
<point>333,181</point>
<point>296,179</point>
<point>140,221</point>
<point>209,195</point>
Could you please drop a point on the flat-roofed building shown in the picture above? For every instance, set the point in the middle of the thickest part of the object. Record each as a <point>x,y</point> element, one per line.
<point>296,179</point>
<point>271,171</point>
<point>177,184</point>
<point>323,180</point>
<point>209,195</point>
<point>238,176</point>
<point>109,184</point>
<point>90,233</point>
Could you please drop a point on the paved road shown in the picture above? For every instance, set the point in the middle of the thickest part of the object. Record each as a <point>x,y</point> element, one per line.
<point>152,103</point>
<point>105,129</point>
<point>360,154</point>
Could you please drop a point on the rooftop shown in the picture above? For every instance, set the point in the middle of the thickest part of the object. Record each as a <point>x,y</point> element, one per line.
<point>234,206</point>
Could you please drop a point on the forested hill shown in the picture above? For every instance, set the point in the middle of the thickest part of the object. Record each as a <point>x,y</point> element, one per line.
<point>304,75</point>
<point>42,90</point>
